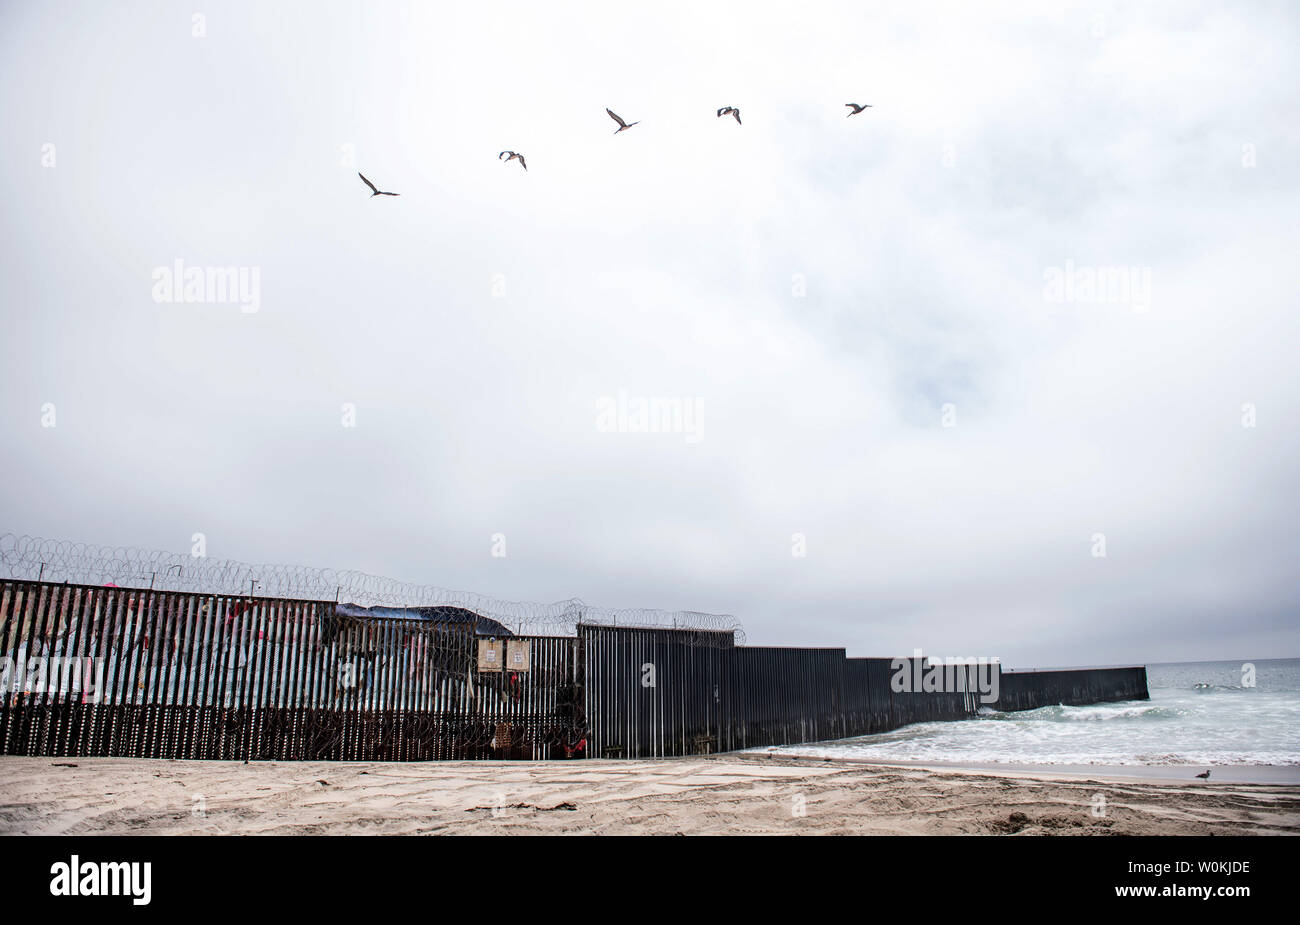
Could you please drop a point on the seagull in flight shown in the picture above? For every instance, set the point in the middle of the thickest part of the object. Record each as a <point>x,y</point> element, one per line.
<point>856,108</point>
<point>375,191</point>
<point>513,157</point>
<point>622,126</point>
<point>732,110</point>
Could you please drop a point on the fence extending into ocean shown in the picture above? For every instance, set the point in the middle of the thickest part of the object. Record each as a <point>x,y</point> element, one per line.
<point>135,672</point>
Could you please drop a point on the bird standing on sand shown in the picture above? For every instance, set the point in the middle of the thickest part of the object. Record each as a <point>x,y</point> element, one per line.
<point>622,126</point>
<point>1204,776</point>
<point>857,108</point>
<point>375,191</point>
<point>513,157</point>
<point>732,110</point>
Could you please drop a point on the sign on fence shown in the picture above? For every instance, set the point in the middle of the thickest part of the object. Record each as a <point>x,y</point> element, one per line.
<point>517,654</point>
<point>489,655</point>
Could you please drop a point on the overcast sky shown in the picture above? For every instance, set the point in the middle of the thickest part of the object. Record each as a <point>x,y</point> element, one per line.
<point>819,287</point>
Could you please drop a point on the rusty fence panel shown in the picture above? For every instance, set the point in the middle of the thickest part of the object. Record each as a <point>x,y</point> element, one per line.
<point>100,670</point>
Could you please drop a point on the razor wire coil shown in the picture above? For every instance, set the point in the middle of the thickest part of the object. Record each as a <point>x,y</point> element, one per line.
<point>32,558</point>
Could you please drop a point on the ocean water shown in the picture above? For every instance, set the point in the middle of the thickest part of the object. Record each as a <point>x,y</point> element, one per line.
<point>1199,713</point>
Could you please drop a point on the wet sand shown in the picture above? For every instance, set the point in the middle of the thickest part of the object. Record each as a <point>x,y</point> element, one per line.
<point>1163,773</point>
<point>728,794</point>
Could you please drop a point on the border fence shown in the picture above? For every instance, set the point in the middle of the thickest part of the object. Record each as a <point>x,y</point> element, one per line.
<point>98,669</point>
<point>29,557</point>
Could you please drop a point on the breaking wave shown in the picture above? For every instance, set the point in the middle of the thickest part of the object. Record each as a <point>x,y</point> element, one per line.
<point>1224,723</point>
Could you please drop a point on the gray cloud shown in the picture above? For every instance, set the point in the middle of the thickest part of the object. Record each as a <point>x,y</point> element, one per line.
<point>663,262</point>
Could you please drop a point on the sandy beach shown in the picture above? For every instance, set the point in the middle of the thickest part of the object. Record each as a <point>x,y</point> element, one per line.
<point>728,794</point>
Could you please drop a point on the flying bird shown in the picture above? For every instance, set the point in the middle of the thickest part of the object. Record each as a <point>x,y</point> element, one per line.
<point>375,191</point>
<point>1204,775</point>
<point>513,157</point>
<point>856,108</point>
<point>622,126</point>
<point>732,110</point>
